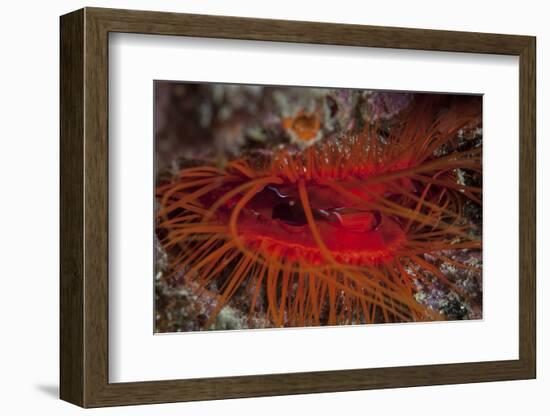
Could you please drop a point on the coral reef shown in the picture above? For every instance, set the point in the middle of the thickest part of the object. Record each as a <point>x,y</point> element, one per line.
<point>283,206</point>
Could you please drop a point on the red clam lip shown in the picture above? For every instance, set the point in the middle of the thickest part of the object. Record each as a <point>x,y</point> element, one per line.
<point>274,222</point>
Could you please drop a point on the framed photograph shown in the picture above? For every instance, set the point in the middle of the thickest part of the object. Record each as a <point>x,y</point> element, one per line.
<point>263,207</point>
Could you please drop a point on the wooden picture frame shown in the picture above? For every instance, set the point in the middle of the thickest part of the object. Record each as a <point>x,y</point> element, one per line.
<point>84,207</point>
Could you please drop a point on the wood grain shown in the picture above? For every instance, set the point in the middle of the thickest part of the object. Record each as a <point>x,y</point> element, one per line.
<point>72,367</point>
<point>84,206</point>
